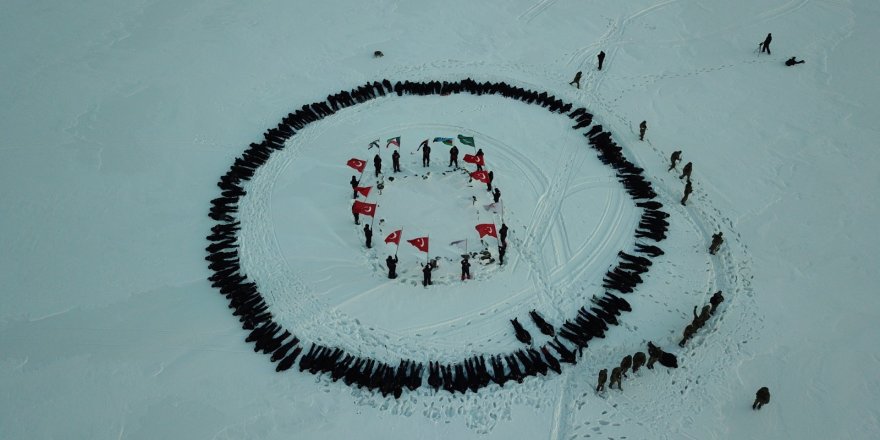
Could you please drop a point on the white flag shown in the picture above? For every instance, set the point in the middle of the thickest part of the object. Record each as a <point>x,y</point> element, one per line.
<point>494,207</point>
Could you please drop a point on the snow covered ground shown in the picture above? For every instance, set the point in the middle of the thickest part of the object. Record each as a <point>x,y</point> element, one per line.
<point>118,118</point>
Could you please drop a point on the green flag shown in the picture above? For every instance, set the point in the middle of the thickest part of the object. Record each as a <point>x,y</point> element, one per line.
<point>466,140</point>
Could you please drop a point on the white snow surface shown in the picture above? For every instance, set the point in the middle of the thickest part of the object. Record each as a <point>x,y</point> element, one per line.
<point>118,118</point>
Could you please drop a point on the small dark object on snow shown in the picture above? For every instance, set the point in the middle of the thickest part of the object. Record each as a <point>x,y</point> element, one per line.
<point>603,376</point>
<point>792,61</point>
<point>717,240</point>
<point>521,333</point>
<point>615,378</point>
<point>577,79</point>
<point>639,359</point>
<point>762,397</point>
<point>717,298</point>
<point>378,54</point>
<point>676,156</point>
<point>601,58</point>
<point>543,325</point>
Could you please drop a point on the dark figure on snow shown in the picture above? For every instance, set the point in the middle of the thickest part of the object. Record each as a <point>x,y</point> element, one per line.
<point>765,46</point>
<point>603,376</point>
<point>502,249</point>
<point>480,155</point>
<point>391,262</point>
<point>717,239</point>
<point>577,79</point>
<point>762,397</point>
<point>686,171</point>
<point>642,128</point>
<point>792,61</point>
<point>625,365</point>
<point>354,185</point>
<point>654,353</point>
<point>674,159</point>
<point>377,162</point>
<point>490,178</point>
<point>601,57</point>
<point>465,268</point>
<point>357,216</point>
<point>615,378</point>
<point>368,234</point>
<point>639,359</point>
<point>717,298</point>
<point>378,54</point>
<point>496,195</point>
<point>426,156</point>
<point>687,192</point>
<point>395,161</point>
<point>503,234</point>
<point>453,156</point>
<point>426,274</point>
<point>688,333</point>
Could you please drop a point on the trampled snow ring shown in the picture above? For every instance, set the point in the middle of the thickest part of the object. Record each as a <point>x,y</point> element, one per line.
<point>472,373</point>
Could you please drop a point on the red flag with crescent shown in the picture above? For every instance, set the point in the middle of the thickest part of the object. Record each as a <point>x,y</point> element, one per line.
<point>476,160</point>
<point>482,176</point>
<point>394,237</point>
<point>357,164</point>
<point>364,208</point>
<point>420,243</point>
<point>485,229</point>
<point>363,190</point>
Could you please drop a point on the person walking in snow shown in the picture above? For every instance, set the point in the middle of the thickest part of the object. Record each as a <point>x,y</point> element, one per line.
<point>601,57</point>
<point>391,262</point>
<point>577,79</point>
<point>687,192</point>
<point>502,249</point>
<point>765,46</point>
<point>453,156</point>
<point>496,195</point>
<point>762,397</point>
<point>717,239</point>
<point>503,233</point>
<point>368,234</point>
<point>395,161</point>
<point>465,268</point>
<point>426,155</point>
<point>686,171</point>
<point>377,163</point>
<point>674,159</point>
<point>717,298</point>
<point>642,128</point>
<point>603,376</point>
<point>426,274</point>
<point>489,178</point>
<point>354,184</point>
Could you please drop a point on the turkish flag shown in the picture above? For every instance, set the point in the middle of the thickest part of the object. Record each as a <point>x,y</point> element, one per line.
<point>357,164</point>
<point>476,160</point>
<point>482,176</point>
<point>364,208</point>
<point>487,229</point>
<point>420,243</point>
<point>364,190</point>
<point>394,237</point>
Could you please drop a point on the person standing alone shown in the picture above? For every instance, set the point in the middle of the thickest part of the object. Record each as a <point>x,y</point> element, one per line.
<point>601,57</point>
<point>765,46</point>
<point>577,79</point>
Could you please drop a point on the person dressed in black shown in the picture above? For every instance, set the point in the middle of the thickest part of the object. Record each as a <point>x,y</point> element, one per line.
<point>354,185</point>
<point>465,268</point>
<point>395,161</point>
<point>674,159</point>
<point>426,274</point>
<point>503,234</point>
<point>577,79</point>
<point>601,57</point>
<point>502,249</point>
<point>480,155</point>
<point>687,192</point>
<point>717,239</point>
<point>357,216</point>
<point>496,195</point>
<point>686,171</point>
<point>490,178</point>
<point>762,397</point>
<point>426,155</point>
<point>368,234</point>
<point>453,156</point>
<point>377,162</point>
<point>643,127</point>
<point>765,46</point>
<point>792,61</point>
<point>391,262</point>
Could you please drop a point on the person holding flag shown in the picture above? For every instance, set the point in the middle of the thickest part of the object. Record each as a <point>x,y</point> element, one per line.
<point>391,262</point>
<point>354,187</point>
<point>482,176</point>
<point>489,178</point>
<point>426,274</point>
<point>482,161</point>
<point>364,208</point>
<point>368,234</point>
<point>496,195</point>
<point>426,155</point>
<point>503,232</point>
<point>362,190</point>
<point>476,160</point>
<point>465,268</point>
<point>453,156</point>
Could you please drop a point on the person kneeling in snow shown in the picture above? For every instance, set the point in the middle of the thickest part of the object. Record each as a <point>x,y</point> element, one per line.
<point>792,61</point>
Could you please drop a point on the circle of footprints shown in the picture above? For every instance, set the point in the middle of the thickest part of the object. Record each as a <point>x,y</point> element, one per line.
<point>476,372</point>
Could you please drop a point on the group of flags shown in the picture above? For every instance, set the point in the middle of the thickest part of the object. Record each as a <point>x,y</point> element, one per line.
<point>422,243</point>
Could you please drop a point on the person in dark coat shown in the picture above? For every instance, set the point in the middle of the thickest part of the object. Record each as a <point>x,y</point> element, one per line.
<point>391,262</point>
<point>395,161</point>
<point>356,216</point>
<point>496,195</point>
<point>368,234</point>
<point>717,298</point>
<point>601,57</point>
<point>603,376</point>
<point>426,155</point>
<point>686,171</point>
<point>502,249</point>
<point>717,239</point>
<point>491,177</point>
<point>792,61</point>
<point>762,397</point>
<point>354,184</point>
<point>377,162</point>
<point>480,154</point>
<point>615,378</point>
<point>674,159</point>
<point>426,274</point>
<point>765,46</point>
<point>503,233</point>
<point>453,156</point>
<point>577,79</point>
<point>465,268</point>
<point>687,192</point>
<point>643,127</point>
